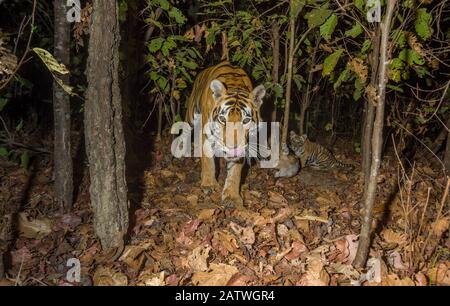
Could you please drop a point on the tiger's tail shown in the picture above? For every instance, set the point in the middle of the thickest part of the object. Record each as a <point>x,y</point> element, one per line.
<point>344,165</point>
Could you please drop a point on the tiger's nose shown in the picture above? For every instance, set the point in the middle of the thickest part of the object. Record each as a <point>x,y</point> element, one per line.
<point>235,152</point>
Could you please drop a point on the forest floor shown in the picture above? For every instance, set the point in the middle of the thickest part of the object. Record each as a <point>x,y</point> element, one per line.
<point>297,231</point>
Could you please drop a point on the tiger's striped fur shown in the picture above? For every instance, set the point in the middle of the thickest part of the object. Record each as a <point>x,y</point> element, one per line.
<point>221,95</point>
<point>314,155</point>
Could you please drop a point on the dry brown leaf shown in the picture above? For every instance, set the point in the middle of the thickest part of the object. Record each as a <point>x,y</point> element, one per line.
<point>146,278</point>
<point>246,234</point>
<point>276,198</point>
<point>218,275</point>
<point>394,280</point>
<point>107,277</point>
<point>134,257</point>
<point>315,274</point>
<point>440,275</point>
<point>37,228</point>
<point>393,237</point>
<point>198,259</point>
<point>206,214</point>
<point>224,242</point>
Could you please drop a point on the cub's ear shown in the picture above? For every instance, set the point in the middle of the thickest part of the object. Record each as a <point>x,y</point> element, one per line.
<point>304,137</point>
<point>292,134</point>
<point>218,89</point>
<point>258,94</point>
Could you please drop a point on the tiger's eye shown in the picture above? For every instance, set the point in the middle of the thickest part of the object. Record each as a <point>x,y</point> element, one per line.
<point>246,121</point>
<point>222,119</point>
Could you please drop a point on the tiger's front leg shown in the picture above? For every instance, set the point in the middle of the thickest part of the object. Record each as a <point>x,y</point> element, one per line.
<point>208,177</point>
<point>230,194</point>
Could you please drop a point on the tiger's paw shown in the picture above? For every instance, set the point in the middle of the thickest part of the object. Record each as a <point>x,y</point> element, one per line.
<point>209,187</point>
<point>232,201</point>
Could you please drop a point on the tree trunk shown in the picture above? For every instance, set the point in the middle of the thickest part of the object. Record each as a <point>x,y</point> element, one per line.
<point>284,132</point>
<point>306,101</point>
<point>276,62</point>
<point>63,170</point>
<point>366,151</point>
<point>377,140</point>
<point>447,155</point>
<point>105,144</point>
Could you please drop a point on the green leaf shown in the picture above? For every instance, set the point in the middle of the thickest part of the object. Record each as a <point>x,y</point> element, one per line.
<point>123,9</point>
<point>164,4</point>
<point>331,61</point>
<point>3,102</point>
<point>355,31</point>
<point>343,77</point>
<point>366,46</point>
<point>359,88</point>
<point>24,160</point>
<point>328,126</point>
<point>3,152</point>
<point>411,57</point>
<point>423,24</point>
<point>327,29</point>
<point>360,5</point>
<point>296,7</point>
<point>316,17</point>
<point>393,87</point>
<point>177,15</point>
<point>155,44</point>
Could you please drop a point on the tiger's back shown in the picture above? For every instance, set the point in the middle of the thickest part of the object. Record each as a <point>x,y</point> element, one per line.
<point>314,155</point>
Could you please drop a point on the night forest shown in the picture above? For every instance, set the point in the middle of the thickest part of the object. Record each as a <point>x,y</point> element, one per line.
<point>91,192</point>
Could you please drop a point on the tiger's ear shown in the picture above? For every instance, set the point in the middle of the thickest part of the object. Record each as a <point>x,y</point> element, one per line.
<point>292,134</point>
<point>218,89</point>
<point>304,137</point>
<point>258,94</point>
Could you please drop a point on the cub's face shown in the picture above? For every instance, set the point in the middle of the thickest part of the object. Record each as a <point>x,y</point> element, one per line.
<point>297,142</point>
<point>235,112</point>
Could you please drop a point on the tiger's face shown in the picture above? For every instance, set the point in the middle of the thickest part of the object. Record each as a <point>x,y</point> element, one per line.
<point>297,143</point>
<point>234,114</point>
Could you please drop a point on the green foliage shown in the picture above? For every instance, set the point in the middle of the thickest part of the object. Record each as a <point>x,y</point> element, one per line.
<point>4,152</point>
<point>24,160</point>
<point>423,24</point>
<point>296,7</point>
<point>3,102</point>
<point>331,61</point>
<point>317,17</point>
<point>359,89</point>
<point>355,31</point>
<point>327,29</point>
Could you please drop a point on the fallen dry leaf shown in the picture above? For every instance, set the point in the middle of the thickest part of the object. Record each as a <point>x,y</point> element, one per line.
<point>37,228</point>
<point>107,277</point>
<point>198,259</point>
<point>218,275</point>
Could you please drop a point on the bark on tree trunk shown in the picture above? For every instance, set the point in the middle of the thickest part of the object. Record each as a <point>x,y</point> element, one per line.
<point>306,101</point>
<point>63,170</point>
<point>276,61</point>
<point>377,140</point>
<point>105,145</point>
<point>284,132</point>
<point>366,151</point>
<point>447,154</point>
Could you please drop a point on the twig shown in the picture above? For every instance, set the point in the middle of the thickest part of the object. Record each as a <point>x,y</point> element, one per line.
<point>27,49</point>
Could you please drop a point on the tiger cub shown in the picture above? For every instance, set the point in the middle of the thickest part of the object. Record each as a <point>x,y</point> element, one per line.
<point>313,154</point>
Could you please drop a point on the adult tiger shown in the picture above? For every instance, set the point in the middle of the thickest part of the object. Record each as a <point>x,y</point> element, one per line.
<point>223,95</point>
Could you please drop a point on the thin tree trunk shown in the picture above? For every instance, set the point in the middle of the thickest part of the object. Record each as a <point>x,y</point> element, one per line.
<point>306,101</point>
<point>159,100</point>
<point>377,140</point>
<point>284,132</point>
<point>370,111</point>
<point>105,144</point>
<point>276,62</point>
<point>63,169</point>
<point>447,155</point>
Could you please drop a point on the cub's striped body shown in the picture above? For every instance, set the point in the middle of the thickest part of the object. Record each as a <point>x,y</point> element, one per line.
<point>224,95</point>
<point>314,155</point>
